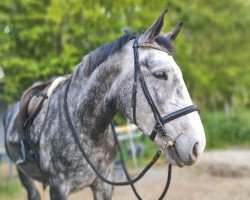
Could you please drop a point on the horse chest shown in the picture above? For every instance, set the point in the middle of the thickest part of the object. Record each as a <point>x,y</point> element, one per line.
<point>64,160</point>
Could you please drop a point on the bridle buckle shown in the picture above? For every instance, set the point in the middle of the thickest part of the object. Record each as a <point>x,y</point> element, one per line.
<point>158,128</point>
<point>135,45</point>
<point>170,142</point>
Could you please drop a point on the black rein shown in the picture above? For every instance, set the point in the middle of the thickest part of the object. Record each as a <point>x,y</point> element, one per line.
<point>85,155</point>
<point>158,128</point>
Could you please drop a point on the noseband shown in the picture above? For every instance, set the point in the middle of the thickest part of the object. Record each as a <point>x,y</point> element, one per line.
<point>159,120</point>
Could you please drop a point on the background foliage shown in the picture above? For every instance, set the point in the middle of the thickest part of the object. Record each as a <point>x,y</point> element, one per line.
<point>41,39</point>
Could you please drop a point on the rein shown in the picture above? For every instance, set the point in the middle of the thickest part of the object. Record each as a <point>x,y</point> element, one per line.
<point>158,128</point>
<point>126,171</point>
<point>130,181</point>
<point>85,155</point>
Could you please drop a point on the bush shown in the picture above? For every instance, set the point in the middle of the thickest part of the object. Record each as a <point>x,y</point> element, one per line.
<point>227,128</point>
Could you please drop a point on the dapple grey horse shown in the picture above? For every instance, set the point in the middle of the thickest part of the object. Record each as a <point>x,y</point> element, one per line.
<point>101,85</point>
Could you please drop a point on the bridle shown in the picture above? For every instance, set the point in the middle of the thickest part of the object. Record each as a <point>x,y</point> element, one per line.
<point>159,120</point>
<point>158,128</point>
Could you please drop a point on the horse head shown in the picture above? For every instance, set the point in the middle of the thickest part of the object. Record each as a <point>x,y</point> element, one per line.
<point>168,92</point>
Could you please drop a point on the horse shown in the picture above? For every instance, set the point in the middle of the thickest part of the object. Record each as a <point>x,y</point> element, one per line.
<point>103,83</point>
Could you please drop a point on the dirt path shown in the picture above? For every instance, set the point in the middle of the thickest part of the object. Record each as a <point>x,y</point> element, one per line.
<point>217,176</point>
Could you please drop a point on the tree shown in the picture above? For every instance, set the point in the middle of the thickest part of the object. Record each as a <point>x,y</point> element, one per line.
<point>41,39</point>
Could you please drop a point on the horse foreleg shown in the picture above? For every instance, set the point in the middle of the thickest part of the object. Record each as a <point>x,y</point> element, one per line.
<point>28,183</point>
<point>101,190</point>
<point>58,192</point>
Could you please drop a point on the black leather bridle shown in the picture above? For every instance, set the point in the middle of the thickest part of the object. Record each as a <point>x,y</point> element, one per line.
<point>158,128</point>
<point>159,120</point>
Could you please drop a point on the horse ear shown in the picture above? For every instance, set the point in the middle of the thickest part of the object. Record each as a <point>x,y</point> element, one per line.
<point>154,30</point>
<point>174,33</point>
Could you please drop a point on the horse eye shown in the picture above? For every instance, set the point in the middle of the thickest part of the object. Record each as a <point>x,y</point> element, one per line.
<point>161,75</point>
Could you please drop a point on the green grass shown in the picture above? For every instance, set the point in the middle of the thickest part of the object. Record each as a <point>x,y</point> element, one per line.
<point>10,189</point>
<point>227,129</point>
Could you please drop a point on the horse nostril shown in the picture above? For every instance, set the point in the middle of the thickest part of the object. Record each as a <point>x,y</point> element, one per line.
<point>195,150</point>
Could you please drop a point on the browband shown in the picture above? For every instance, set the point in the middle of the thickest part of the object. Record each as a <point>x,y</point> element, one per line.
<point>153,46</point>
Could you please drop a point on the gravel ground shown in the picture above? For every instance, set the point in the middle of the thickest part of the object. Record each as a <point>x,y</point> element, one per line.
<point>218,175</point>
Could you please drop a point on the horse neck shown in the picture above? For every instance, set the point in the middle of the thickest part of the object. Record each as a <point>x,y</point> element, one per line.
<point>88,97</point>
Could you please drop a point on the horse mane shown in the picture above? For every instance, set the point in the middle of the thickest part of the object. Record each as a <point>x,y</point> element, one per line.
<point>98,56</point>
